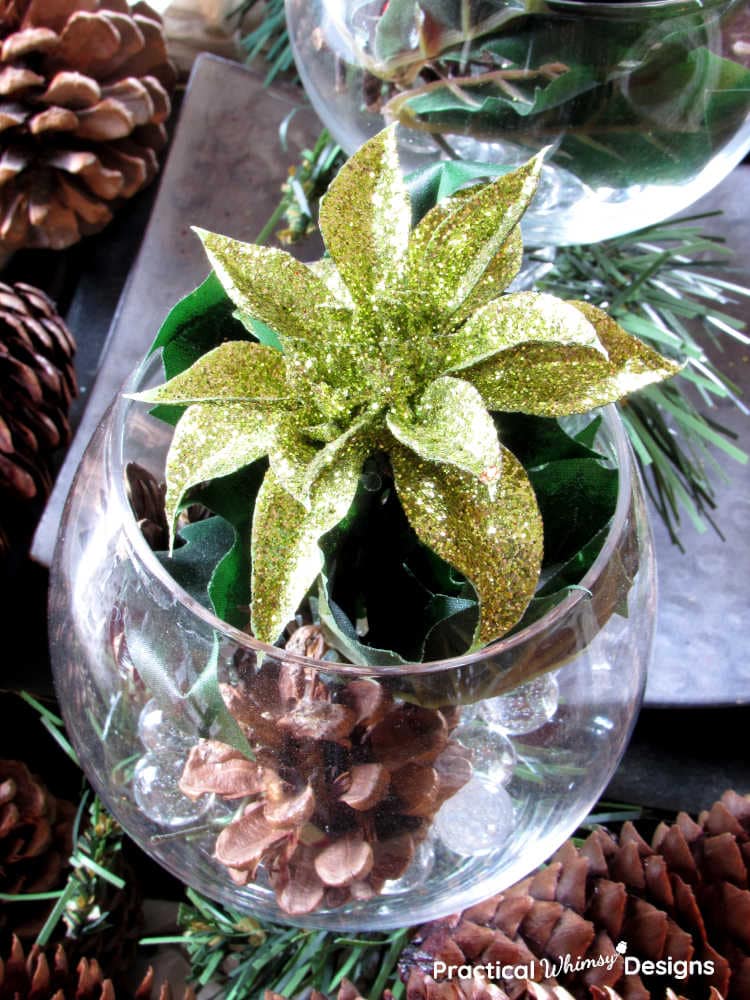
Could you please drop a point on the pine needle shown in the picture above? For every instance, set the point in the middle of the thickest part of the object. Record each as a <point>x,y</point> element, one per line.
<point>245,957</point>
<point>656,284</point>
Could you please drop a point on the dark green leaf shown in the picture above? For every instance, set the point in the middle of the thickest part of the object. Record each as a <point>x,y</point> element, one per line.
<point>429,185</point>
<point>192,564</point>
<point>233,498</point>
<point>199,322</point>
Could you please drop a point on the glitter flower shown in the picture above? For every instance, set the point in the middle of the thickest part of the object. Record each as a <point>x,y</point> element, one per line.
<point>399,342</point>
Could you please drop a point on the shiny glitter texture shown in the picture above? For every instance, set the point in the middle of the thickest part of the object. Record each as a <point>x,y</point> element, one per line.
<point>494,541</point>
<point>400,342</point>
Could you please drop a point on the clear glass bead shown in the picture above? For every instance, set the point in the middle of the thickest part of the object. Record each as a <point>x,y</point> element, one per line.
<point>157,792</point>
<point>492,754</point>
<point>157,730</point>
<point>477,819</point>
<point>525,709</point>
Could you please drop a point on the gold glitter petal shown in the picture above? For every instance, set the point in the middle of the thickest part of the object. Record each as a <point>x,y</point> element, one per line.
<point>290,453</point>
<point>272,286</point>
<point>501,270</point>
<point>552,381</point>
<point>451,424</point>
<point>516,319</point>
<point>326,270</point>
<point>211,440</point>
<point>354,437</point>
<point>286,555</point>
<point>365,218</point>
<point>424,230</point>
<point>463,246</point>
<point>496,543</point>
<point>233,372</point>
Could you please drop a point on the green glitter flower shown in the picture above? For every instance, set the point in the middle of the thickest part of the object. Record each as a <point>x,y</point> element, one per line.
<point>399,342</point>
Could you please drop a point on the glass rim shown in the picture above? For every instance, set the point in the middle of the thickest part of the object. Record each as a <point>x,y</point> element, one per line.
<point>115,472</point>
<point>634,8</point>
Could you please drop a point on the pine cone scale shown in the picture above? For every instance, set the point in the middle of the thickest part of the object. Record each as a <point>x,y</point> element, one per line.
<point>29,40</point>
<point>72,76</point>
<point>72,90</point>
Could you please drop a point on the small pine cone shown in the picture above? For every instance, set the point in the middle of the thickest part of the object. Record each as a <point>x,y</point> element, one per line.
<point>146,495</point>
<point>35,832</point>
<point>343,787</point>
<point>682,898</point>
<point>38,383</point>
<point>84,91</point>
<point>41,976</point>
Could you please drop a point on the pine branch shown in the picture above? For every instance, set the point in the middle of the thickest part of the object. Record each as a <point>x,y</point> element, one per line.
<point>245,956</point>
<point>82,904</point>
<point>306,183</point>
<point>269,40</point>
<point>661,285</point>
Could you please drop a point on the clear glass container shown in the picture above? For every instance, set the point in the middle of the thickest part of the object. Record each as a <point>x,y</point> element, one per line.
<point>645,105</point>
<point>541,717</point>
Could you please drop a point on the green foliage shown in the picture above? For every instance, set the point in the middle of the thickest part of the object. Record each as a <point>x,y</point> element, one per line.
<point>269,40</point>
<point>246,957</point>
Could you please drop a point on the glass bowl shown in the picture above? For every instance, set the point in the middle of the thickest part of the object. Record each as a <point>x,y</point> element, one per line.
<point>645,105</point>
<point>523,735</point>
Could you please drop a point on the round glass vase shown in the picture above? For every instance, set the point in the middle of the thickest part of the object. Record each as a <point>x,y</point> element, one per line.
<point>645,105</point>
<point>521,737</point>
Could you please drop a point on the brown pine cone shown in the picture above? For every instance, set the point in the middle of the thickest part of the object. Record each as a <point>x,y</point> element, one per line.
<point>344,784</point>
<point>49,977</point>
<point>38,382</point>
<point>35,843</point>
<point>84,90</point>
<point>146,495</point>
<point>683,897</point>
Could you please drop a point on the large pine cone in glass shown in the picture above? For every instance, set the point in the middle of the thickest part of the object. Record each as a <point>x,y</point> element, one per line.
<point>684,896</point>
<point>84,91</point>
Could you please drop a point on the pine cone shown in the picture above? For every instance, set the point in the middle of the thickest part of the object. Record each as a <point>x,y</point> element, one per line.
<point>84,89</point>
<point>35,832</point>
<point>38,382</point>
<point>39,977</point>
<point>344,784</point>
<point>684,897</point>
<point>146,495</point>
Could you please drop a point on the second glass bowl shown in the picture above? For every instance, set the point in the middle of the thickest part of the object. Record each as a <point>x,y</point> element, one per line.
<point>645,104</point>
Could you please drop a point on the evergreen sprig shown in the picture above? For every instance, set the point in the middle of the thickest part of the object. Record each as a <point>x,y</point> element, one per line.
<point>246,957</point>
<point>97,838</point>
<point>269,40</point>
<point>301,192</point>
<point>662,285</point>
